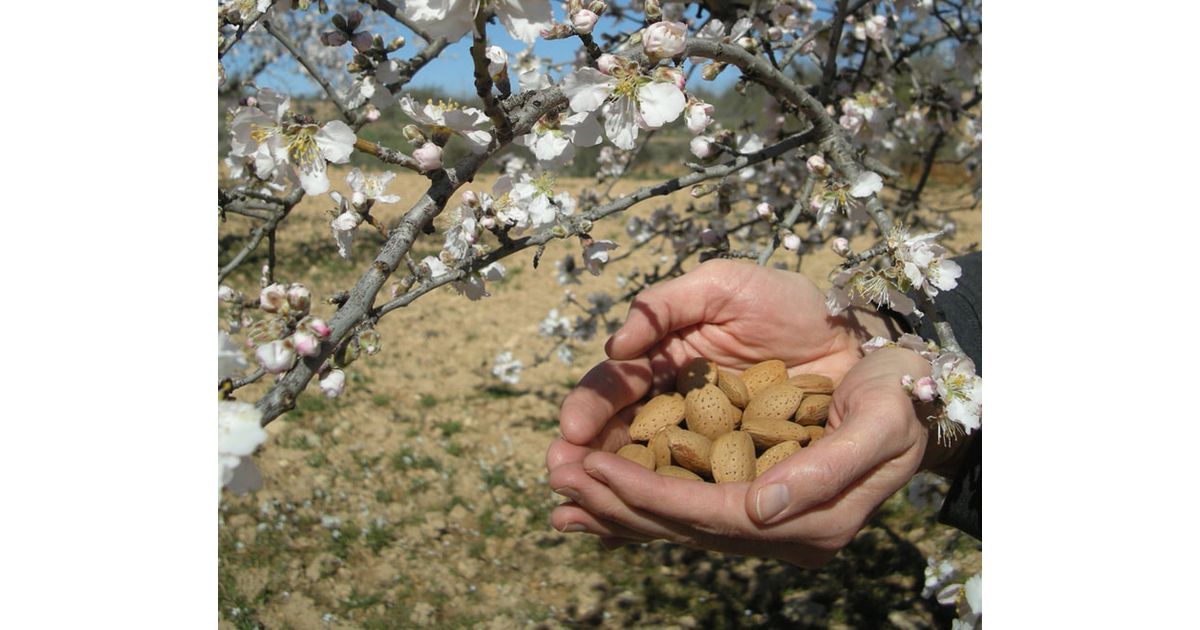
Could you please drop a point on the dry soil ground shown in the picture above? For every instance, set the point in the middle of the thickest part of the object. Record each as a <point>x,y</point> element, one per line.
<point>419,497</point>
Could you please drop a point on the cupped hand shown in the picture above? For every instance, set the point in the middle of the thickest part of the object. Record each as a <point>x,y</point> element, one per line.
<point>803,510</point>
<point>734,313</point>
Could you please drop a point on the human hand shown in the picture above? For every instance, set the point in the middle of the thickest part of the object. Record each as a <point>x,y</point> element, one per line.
<point>803,510</point>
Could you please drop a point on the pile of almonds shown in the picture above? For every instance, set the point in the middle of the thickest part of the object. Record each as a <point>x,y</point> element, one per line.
<point>738,426</point>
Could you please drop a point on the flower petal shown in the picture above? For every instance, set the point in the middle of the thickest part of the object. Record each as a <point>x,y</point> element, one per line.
<point>660,103</point>
<point>336,141</point>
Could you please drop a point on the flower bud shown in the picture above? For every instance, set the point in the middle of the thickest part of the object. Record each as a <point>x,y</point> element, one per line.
<point>319,328</point>
<point>251,101</point>
<point>497,62</point>
<point>488,223</point>
<point>396,44</point>
<point>764,210</point>
<point>700,190</point>
<point>774,33</point>
<point>663,40</point>
<point>414,135</point>
<point>226,294</point>
<point>749,44</point>
<point>607,63</point>
<point>428,157</point>
<point>333,384</point>
<point>598,7</point>
<point>817,166</point>
<point>710,71</point>
<point>369,340</point>
<point>925,389</point>
<point>652,9</point>
<point>584,20</point>
<point>276,357</point>
<point>470,198</point>
<point>698,116</point>
<point>373,113</point>
<point>791,242</point>
<point>876,27</point>
<point>702,147</point>
<point>840,246</point>
<point>299,298</point>
<point>306,344</point>
<point>272,298</point>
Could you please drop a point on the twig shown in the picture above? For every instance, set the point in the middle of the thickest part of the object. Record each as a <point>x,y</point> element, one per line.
<point>311,69</point>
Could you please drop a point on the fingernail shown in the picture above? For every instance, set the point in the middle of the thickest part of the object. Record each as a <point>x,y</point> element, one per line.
<point>595,473</point>
<point>770,501</point>
<point>570,493</point>
<point>573,527</point>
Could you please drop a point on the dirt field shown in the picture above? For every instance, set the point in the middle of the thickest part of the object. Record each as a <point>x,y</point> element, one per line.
<point>419,497</point>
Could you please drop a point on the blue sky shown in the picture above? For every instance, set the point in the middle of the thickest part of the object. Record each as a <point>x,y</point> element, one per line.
<point>451,72</point>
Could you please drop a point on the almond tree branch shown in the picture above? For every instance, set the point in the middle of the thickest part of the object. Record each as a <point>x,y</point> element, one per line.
<point>582,223</point>
<point>309,67</point>
<point>242,29</point>
<point>359,301</point>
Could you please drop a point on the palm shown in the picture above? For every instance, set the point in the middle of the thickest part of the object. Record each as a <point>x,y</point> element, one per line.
<point>737,315</point>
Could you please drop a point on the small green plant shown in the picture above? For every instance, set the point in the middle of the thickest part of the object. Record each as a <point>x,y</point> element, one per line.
<point>428,401</point>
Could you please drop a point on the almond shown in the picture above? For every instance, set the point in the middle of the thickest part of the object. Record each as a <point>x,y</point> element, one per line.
<point>814,409</point>
<point>732,457</point>
<point>695,374</point>
<point>660,448</point>
<point>777,402</point>
<point>763,375</point>
<point>662,411</point>
<point>678,472</point>
<point>734,387</point>
<point>774,455</point>
<point>815,433</point>
<point>709,412</point>
<point>638,454</point>
<point>813,383</point>
<point>691,450</point>
<point>768,433</point>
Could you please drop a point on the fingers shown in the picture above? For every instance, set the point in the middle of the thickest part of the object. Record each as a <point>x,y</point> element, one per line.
<point>819,473</point>
<point>668,306</point>
<point>598,500</point>
<point>570,517</point>
<point>715,509</point>
<point>605,390</point>
<point>563,452</point>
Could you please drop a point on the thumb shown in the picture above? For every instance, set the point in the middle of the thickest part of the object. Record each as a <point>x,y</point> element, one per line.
<point>666,307</point>
<point>821,472</point>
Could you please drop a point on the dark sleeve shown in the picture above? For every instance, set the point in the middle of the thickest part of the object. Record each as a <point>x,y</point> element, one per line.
<point>962,307</point>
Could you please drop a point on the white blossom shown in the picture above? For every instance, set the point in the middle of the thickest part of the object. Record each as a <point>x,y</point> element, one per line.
<point>275,357</point>
<point>639,102</point>
<point>372,186</point>
<point>239,433</point>
<point>333,384</point>
<point>960,389</point>
<point>664,39</point>
<point>523,19</point>
<point>467,122</point>
<point>507,369</point>
<point>595,255</point>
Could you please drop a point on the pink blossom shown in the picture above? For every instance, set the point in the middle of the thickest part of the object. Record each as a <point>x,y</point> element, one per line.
<point>584,21</point>
<point>306,344</point>
<point>662,40</point>
<point>272,298</point>
<point>428,157</point>
<point>276,357</point>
